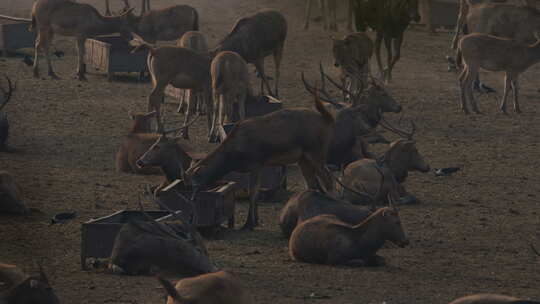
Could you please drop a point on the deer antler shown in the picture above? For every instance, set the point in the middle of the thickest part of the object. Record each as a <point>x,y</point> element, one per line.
<point>356,95</point>
<point>8,93</point>
<point>400,132</point>
<point>165,132</point>
<point>313,91</point>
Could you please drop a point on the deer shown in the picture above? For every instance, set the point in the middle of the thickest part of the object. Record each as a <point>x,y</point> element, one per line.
<point>180,67</point>
<point>355,120</point>
<point>4,123</point>
<point>165,24</point>
<point>254,144</point>
<point>255,37</point>
<point>325,239</point>
<point>25,289</point>
<point>352,54</point>
<point>173,247</point>
<point>212,288</point>
<point>401,157</point>
<point>11,195</point>
<point>69,18</point>
<point>139,140</point>
<point>329,11</point>
<point>196,41</point>
<point>503,54</point>
<point>492,299</point>
<point>230,87</point>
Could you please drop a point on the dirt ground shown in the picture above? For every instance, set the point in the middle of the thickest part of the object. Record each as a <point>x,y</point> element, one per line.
<point>471,232</point>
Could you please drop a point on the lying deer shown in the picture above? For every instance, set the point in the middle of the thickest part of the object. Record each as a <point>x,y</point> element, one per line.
<point>254,144</point>
<point>196,41</point>
<point>170,247</point>
<point>401,157</point>
<point>256,37</point>
<point>230,86</point>
<point>325,239</point>
<point>212,288</point>
<point>69,18</point>
<point>11,195</point>
<point>351,56</point>
<point>25,289</point>
<point>491,299</point>
<point>180,67</point>
<point>329,11</point>
<point>166,24</point>
<point>4,123</point>
<point>481,51</point>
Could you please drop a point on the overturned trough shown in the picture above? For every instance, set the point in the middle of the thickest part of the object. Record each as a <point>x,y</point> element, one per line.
<point>98,235</point>
<point>112,54</point>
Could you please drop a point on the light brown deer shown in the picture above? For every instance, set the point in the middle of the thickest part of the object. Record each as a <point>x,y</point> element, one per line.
<point>482,51</point>
<point>68,18</point>
<point>196,41</point>
<point>329,13</point>
<point>231,88</point>
<point>325,239</point>
<point>180,67</point>
<point>212,288</point>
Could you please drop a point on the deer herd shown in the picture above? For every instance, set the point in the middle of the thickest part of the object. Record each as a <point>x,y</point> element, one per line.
<point>341,220</point>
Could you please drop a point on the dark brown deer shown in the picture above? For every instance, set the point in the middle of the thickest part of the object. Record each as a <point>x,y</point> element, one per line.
<point>172,247</point>
<point>254,144</point>
<point>180,67</point>
<point>213,288</point>
<point>69,18</point>
<point>354,120</point>
<point>401,157</point>
<point>25,289</point>
<point>4,123</point>
<point>166,24</point>
<point>11,195</point>
<point>491,299</point>
<point>256,37</point>
<point>325,239</point>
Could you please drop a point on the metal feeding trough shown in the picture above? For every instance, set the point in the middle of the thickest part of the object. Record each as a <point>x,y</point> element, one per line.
<point>14,35</point>
<point>98,235</point>
<point>112,54</point>
<point>213,205</point>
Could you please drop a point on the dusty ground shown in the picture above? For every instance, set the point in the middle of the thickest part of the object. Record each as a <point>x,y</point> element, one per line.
<point>470,234</point>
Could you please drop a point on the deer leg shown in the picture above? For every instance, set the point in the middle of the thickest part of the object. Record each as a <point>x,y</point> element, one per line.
<point>187,117</point>
<point>308,14</point>
<point>154,104</point>
<point>378,42</point>
<point>278,55</point>
<point>254,185</point>
<point>107,8</point>
<point>259,66</point>
<point>241,101</point>
<point>463,85</point>
<point>181,99</point>
<point>397,43</point>
<point>389,56</point>
<point>213,129</point>
<point>81,69</point>
<point>515,87</point>
<point>472,75</point>
<point>37,48</point>
<point>507,87</point>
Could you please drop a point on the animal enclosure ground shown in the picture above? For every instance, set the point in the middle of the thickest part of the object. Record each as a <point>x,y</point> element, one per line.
<point>470,233</point>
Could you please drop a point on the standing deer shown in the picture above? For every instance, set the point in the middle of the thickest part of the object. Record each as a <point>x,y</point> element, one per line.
<point>256,37</point>
<point>230,87</point>
<point>180,67</point>
<point>329,12</point>
<point>494,54</point>
<point>196,41</point>
<point>68,18</point>
<point>254,144</point>
<point>4,123</point>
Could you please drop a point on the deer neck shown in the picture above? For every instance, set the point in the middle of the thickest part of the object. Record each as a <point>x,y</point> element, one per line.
<point>368,235</point>
<point>372,114</point>
<point>217,164</point>
<point>397,164</point>
<point>174,168</point>
<point>343,139</point>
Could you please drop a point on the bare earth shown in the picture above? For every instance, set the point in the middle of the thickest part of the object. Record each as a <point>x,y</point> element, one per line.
<point>470,234</point>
